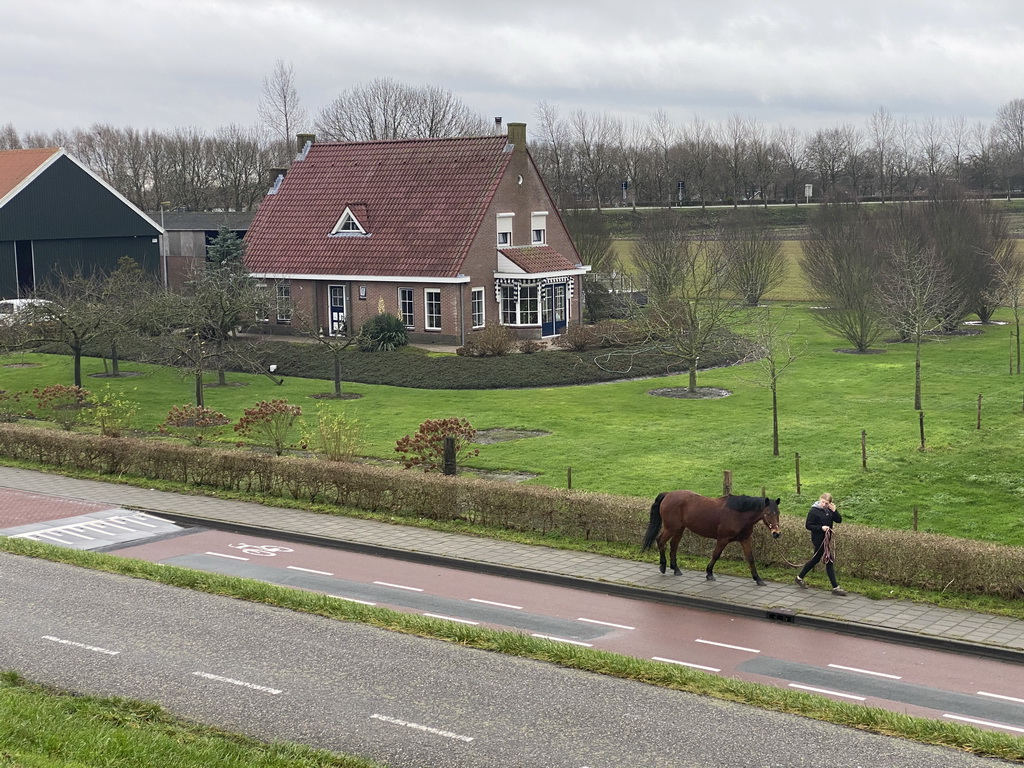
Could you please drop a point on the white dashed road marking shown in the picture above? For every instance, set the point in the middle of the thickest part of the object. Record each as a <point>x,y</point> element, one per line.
<point>242,683</point>
<point>80,645</point>
<point>424,728</point>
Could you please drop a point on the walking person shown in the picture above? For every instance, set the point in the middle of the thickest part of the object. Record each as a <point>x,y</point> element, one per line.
<point>820,521</point>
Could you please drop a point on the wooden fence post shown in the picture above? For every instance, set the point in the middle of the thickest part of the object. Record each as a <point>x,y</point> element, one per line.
<point>863,449</point>
<point>915,518</point>
<point>449,455</point>
<point>568,477</point>
<point>798,474</point>
<point>921,421</point>
<point>979,412</point>
<point>726,482</point>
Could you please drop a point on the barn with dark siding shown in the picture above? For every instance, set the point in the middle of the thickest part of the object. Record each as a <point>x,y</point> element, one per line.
<point>58,217</point>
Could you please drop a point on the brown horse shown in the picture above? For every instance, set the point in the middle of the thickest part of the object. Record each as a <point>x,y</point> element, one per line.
<point>725,519</point>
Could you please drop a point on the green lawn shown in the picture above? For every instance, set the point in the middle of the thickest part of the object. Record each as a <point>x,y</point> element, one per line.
<point>619,439</point>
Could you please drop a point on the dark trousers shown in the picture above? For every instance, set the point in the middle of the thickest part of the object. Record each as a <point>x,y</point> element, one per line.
<point>819,550</point>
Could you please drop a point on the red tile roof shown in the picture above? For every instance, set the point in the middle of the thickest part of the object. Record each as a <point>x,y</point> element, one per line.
<point>420,200</point>
<point>538,258</point>
<point>16,165</point>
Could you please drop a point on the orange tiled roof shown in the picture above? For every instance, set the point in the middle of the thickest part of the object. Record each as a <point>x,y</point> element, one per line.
<point>420,200</point>
<point>16,165</point>
<point>538,258</point>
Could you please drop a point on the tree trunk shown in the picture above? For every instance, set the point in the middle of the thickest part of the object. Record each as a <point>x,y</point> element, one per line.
<point>76,351</point>
<point>115,368</point>
<point>775,420</point>
<point>692,386</point>
<point>199,389</point>
<point>337,374</point>
<point>917,373</point>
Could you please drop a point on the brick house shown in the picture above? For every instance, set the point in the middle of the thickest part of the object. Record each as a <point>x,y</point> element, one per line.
<point>451,235</point>
<point>58,217</point>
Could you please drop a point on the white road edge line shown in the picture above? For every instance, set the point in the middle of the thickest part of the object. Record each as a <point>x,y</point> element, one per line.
<point>80,645</point>
<point>352,600</point>
<point>726,645</point>
<point>308,570</point>
<point>686,664</point>
<point>418,727</point>
<point>500,605</point>
<point>1000,696</point>
<point>827,692</point>
<point>563,640</point>
<point>865,671</point>
<point>229,557</point>
<point>253,686</point>
<point>985,722</point>
<point>605,623</point>
<point>398,586</point>
<point>452,618</point>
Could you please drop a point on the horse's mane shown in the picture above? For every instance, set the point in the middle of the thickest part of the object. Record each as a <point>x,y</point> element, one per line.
<point>745,503</point>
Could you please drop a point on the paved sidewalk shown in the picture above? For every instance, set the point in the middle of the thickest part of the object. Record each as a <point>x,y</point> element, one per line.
<point>899,619</point>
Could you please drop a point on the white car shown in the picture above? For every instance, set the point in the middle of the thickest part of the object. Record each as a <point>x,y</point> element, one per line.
<point>11,309</point>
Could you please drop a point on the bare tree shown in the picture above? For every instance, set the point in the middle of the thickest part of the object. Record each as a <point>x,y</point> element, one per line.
<point>882,133</point>
<point>595,245</point>
<point>1010,274</point>
<point>594,142</point>
<point>689,318</point>
<point>75,315</point>
<point>789,143</point>
<point>753,254</point>
<point>660,253</point>
<point>734,147</point>
<point>842,265</point>
<point>1010,125</point>
<point>387,109</point>
<point>553,151</point>
<point>700,149</point>
<point>9,137</point>
<point>280,110</point>
<point>773,353</point>
<point>914,283</point>
<point>764,160</point>
<point>238,163</point>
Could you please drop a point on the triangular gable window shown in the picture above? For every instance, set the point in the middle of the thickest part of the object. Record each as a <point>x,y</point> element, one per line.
<point>348,225</point>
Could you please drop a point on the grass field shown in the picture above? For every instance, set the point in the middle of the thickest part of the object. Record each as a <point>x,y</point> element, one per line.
<point>617,438</point>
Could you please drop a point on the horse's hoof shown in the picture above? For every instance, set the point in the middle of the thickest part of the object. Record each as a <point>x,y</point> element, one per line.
<point>711,577</point>
<point>762,583</point>
<point>677,572</point>
<point>662,568</point>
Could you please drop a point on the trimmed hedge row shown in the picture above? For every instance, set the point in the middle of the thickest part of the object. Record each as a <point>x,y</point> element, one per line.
<point>903,558</point>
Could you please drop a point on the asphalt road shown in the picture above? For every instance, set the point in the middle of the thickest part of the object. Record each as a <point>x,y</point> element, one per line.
<point>402,700</point>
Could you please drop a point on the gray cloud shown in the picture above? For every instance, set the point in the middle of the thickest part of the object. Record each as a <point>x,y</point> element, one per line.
<point>71,63</point>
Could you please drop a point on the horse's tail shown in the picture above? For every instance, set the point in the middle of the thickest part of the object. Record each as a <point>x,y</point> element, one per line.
<point>654,527</point>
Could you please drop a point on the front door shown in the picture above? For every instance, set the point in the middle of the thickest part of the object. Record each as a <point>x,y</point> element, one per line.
<point>554,310</point>
<point>338,316</point>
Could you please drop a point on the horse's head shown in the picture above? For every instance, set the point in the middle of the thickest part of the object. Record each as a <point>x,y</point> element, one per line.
<point>771,516</point>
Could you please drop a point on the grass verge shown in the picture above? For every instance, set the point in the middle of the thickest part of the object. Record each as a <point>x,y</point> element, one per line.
<point>652,673</point>
<point>91,731</point>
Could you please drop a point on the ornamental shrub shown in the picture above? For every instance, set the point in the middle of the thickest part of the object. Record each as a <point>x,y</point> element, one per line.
<point>112,415</point>
<point>194,423</point>
<point>426,448</point>
<point>10,406</point>
<point>334,436</point>
<point>492,341</point>
<point>61,403</point>
<point>272,420</point>
<point>383,332</point>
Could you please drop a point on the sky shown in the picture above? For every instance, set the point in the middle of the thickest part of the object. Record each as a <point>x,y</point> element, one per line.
<point>812,64</point>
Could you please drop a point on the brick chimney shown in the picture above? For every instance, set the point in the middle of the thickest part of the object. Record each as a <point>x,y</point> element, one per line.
<point>301,139</point>
<point>517,134</point>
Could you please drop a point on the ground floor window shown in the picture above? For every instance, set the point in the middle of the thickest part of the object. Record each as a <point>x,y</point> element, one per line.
<point>406,307</point>
<point>432,305</point>
<point>520,304</point>
<point>284,302</point>
<point>478,307</point>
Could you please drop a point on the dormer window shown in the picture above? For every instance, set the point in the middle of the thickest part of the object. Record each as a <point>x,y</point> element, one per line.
<point>348,226</point>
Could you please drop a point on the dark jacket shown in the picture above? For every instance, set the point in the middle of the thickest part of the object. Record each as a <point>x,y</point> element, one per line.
<point>816,518</point>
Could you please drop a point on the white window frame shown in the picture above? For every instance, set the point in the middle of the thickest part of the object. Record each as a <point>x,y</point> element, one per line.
<point>505,229</point>
<point>407,306</point>
<point>348,226</point>
<point>521,311</point>
<point>285,309</point>
<point>431,298</point>
<point>476,303</point>
<point>539,228</point>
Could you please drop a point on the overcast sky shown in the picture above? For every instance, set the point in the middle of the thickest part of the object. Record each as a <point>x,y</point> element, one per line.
<point>810,63</point>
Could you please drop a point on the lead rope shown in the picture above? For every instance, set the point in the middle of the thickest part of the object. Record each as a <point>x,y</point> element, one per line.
<point>829,555</point>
